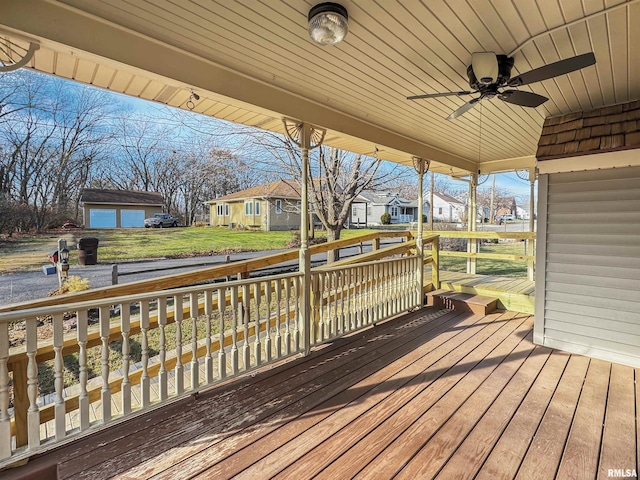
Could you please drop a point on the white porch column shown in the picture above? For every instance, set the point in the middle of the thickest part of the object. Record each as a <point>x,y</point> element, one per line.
<point>472,246</point>
<point>421,166</point>
<point>531,243</point>
<point>307,137</point>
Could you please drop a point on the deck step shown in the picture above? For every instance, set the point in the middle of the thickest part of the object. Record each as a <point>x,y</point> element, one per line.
<point>466,302</point>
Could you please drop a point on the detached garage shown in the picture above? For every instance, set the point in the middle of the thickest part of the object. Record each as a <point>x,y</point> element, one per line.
<point>102,208</point>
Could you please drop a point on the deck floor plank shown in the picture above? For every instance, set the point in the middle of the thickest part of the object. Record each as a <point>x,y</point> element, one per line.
<point>580,458</point>
<point>505,458</point>
<point>476,446</point>
<point>345,427</point>
<point>619,440</point>
<point>423,425</point>
<point>257,398</point>
<point>433,393</point>
<point>544,454</point>
<point>233,455</point>
<point>440,447</point>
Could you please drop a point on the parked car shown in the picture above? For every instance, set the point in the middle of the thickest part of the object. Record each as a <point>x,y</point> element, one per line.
<point>508,217</point>
<point>161,220</point>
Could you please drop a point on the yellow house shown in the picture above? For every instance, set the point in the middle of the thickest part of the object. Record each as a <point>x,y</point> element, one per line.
<point>270,206</point>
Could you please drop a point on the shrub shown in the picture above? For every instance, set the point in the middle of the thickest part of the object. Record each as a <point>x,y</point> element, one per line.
<point>385,218</point>
<point>72,285</point>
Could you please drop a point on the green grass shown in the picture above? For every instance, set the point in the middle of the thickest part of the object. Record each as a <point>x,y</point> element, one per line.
<point>121,245</point>
<point>488,266</point>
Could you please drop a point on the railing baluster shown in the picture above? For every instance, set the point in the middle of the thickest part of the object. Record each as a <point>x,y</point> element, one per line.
<point>256,344</point>
<point>195,363</point>
<point>287,325</point>
<point>208,359</point>
<point>267,327</point>
<point>179,369</point>
<point>222,358</point>
<point>163,382</point>
<point>235,313</point>
<point>245,311</point>
<point>125,328</point>
<point>83,399</point>
<point>105,394</point>
<point>33,413</point>
<point>145,381</point>
<point>5,418</point>
<point>58,368</point>
<point>278,337</point>
<point>297,317</point>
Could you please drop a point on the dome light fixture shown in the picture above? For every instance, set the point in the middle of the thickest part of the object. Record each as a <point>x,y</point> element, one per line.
<point>328,23</point>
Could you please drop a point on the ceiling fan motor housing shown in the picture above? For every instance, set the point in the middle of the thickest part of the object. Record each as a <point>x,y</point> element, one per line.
<point>502,71</point>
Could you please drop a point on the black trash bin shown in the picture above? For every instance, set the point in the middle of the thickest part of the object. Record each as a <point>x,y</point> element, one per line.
<point>88,251</point>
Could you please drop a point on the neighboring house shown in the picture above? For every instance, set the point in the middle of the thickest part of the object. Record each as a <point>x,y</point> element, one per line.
<point>102,208</point>
<point>522,213</point>
<point>270,206</point>
<point>372,205</point>
<point>510,209</point>
<point>447,208</point>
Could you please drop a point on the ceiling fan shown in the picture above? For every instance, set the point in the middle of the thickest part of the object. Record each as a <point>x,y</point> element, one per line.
<point>489,74</point>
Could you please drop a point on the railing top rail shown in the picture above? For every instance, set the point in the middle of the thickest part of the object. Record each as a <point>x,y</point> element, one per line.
<point>179,279</point>
<point>487,235</point>
<point>6,317</point>
<point>325,269</point>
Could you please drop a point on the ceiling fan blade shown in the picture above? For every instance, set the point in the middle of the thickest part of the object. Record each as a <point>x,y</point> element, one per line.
<point>464,108</point>
<point>567,65</point>
<point>524,99</point>
<point>435,95</point>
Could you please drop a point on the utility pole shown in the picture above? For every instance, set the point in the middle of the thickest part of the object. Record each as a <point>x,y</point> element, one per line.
<point>493,192</point>
<point>431,202</point>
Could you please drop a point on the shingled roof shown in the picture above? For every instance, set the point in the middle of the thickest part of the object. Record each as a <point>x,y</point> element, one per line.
<point>277,189</point>
<point>606,129</point>
<point>120,197</point>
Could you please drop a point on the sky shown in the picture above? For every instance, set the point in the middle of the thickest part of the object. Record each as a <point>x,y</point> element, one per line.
<point>509,182</point>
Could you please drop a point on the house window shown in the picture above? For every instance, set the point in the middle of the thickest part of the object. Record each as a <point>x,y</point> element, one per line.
<point>248,208</point>
<point>257,208</point>
<point>226,210</point>
<point>440,211</point>
<point>394,211</point>
<point>278,207</point>
<point>368,209</point>
<point>219,208</point>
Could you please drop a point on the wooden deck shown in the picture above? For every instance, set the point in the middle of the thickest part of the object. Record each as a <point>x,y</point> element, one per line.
<point>431,394</point>
<point>515,294</point>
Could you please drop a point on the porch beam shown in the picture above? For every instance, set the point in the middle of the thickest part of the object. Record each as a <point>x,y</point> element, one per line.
<point>62,27</point>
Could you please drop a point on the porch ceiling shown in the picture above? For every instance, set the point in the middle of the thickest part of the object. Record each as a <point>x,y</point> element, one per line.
<point>252,62</point>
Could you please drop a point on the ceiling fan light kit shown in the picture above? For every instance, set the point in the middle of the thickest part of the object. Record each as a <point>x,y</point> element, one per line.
<point>489,73</point>
<point>484,67</point>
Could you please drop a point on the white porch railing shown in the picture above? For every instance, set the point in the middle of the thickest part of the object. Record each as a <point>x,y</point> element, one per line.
<point>147,349</point>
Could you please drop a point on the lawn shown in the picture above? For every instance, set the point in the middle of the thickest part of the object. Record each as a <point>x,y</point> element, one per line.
<point>489,266</point>
<point>119,245</point>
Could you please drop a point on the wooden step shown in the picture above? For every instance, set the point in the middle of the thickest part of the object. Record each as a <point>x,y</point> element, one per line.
<point>462,301</point>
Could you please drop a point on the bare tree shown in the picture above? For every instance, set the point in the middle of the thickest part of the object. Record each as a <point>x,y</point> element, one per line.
<point>335,177</point>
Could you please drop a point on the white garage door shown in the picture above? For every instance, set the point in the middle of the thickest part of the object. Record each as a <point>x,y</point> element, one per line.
<point>102,218</point>
<point>132,218</point>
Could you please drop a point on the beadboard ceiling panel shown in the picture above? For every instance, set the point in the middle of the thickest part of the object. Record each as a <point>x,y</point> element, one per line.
<point>356,90</point>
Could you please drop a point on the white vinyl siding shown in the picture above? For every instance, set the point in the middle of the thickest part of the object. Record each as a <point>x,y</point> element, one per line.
<point>590,281</point>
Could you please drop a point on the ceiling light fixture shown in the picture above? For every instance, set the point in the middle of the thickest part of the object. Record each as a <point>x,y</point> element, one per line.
<point>328,23</point>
